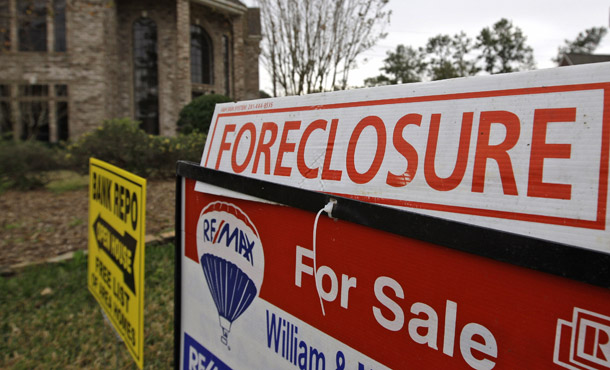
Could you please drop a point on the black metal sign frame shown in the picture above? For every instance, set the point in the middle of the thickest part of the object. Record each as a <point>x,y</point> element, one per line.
<point>567,261</point>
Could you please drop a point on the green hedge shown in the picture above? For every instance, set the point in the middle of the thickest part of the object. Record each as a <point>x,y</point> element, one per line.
<point>197,115</point>
<point>121,142</point>
<point>117,141</point>
<point>24,164</point>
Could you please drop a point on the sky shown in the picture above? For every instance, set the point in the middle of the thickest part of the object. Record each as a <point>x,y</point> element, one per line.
<point>545,23</point>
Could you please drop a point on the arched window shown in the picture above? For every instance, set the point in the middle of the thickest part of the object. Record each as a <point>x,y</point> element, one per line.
<point>5,29</point>
<point>201,56</point>
<point>145,80</point>
<point>32,25</point>
<point>225,61</point>
<point>59,24</point>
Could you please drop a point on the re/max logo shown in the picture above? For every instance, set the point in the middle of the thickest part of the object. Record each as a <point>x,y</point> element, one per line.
<point>232,236</point>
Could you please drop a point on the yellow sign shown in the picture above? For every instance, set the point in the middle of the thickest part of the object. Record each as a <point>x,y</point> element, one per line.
<point>117,207</point>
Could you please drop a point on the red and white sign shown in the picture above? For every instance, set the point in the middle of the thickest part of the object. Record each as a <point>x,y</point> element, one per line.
<point>526,153</point>
<point>584,343</point>
<point>389,301</point>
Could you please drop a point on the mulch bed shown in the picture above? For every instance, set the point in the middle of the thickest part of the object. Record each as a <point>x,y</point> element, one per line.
<point>39,224</point>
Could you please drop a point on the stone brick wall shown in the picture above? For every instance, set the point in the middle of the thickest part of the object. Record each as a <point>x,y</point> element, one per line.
<point>163,13</point>
<point>217,25</point>
<point>251,54</point>
<point>98,64</point>
<point>182,57</point>
<point>83,68</point>
<point>88,23</point>
<point>244,52</point>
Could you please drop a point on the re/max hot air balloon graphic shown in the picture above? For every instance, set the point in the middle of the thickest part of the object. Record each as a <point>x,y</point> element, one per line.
<point>231,256</point>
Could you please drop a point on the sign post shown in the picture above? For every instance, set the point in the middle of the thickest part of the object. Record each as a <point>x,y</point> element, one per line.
<point>460,224</point>
<point>117,204</point>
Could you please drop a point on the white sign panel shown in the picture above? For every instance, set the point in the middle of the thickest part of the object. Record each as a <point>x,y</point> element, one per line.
<point>525,153</point>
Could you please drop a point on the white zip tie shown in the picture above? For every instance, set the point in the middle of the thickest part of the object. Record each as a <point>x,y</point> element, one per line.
<point>328,208</point>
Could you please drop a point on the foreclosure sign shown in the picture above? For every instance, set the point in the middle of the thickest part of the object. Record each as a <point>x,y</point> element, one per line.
<point>525,153</point>
<point>468,228</point>
<point>249,299</point>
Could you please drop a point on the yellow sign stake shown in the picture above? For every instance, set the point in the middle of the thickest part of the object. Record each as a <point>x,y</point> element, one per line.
<point>117,210</point>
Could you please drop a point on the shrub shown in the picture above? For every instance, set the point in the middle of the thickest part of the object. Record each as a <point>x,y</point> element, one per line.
<point>119,141</point>
<point>23,164</point>
<point>166,151</point>
<point>122,143</point>
<point>197,115</point>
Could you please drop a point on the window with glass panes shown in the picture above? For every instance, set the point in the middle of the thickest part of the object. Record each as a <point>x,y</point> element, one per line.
<point>201,56</point>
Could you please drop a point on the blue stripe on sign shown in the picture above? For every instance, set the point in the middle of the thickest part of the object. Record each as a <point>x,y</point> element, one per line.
<point>196,357</point>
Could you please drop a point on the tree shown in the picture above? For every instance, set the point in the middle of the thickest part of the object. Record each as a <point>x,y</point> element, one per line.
<point>443,57</point>
<point>586,42</point>
<point>503,48</point>
<point>447,57</point>
<point>403,65</point>
<point>197,115</point>
<point>311,45</point>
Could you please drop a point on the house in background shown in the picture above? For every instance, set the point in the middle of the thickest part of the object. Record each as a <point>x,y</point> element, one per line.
<point>571,59</point>
<point>66,65</point>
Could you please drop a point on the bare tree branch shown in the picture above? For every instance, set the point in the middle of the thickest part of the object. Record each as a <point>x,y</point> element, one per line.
<point>311,45</point>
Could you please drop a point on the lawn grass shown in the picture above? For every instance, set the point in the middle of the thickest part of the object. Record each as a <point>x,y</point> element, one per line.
<point>50,320</point>
<point>62,181</point>
<point>57,181</point>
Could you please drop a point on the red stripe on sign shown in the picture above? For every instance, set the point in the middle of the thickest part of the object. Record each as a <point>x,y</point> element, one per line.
<point>192,201</point>
<point>419,99</point>
<point>603,169</point>
<point>411,304</point>
<point>212,137</point>
<point>599,224</point>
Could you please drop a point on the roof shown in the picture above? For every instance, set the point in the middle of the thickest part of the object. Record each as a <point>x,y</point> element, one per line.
<point>237,2</point>
<point>254,22</point>
<point>230,6</point>
<point>574,59</point>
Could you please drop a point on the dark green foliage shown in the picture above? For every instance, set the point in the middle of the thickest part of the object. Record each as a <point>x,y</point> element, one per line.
<point>500,48</point>
<point>404,65</point>
<point>27,164</point>
<point>443,57</point>
<point>447,57</point>
<point>197,115</point>
<point>585,43</point>
<point>503,48</point>
<point>117,141</point>
<point>167,151</point>
<point>121,142</point>
<point>23,163</point>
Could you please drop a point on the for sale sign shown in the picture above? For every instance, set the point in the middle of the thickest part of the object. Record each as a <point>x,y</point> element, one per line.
<point>251,298</point>
<point>525,153</point>
<point>458,208</point>
<point>117,201</point>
